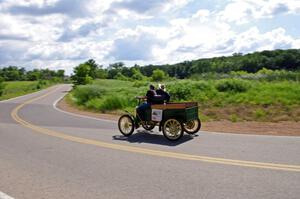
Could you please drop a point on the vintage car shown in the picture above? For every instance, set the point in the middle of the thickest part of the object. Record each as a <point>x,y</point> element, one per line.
<point>171,118</point>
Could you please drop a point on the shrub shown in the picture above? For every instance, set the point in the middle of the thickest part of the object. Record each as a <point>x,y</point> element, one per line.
<point>94,103</point>
<point>232,85</point>
<point>41,84</point>
<point>2,85</point>
<point>259,114</point>
<point>120,76</point>
<point>137,75</point>
<point>158,75</point>
<point>203,86</point>
<point>86,93</point>
<point>140,84</point>
<point>112,103</point>
<point>180,91</point>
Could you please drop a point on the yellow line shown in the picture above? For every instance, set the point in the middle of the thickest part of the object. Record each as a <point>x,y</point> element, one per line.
<point>261,165</point>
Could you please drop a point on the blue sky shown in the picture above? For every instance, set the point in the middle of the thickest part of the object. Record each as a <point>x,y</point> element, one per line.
<point>59,34</point>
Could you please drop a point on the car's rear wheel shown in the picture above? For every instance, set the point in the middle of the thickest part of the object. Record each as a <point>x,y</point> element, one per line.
<point>192,127</point>
<point>172,129</point>
<point>126,125</point>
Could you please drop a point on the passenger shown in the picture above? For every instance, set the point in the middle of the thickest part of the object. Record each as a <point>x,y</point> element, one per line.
<point>162,92</point>
<point>152,98</point>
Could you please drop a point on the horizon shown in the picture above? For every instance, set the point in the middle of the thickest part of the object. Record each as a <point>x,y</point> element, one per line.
<point>60,34</point>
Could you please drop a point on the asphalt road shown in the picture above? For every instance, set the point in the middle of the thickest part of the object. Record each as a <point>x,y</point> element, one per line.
<point>46,153</point>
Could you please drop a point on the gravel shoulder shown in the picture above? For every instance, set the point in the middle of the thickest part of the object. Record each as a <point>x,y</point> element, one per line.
<point>286,128</point>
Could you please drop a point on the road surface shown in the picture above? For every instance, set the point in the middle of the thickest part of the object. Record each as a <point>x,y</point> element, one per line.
<point>47,153</point>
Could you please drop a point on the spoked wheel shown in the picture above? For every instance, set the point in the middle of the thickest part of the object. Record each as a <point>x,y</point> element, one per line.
<point>148,125</point>
<point>172,129</point>
<point>126,125</point>
<point>192,127</point>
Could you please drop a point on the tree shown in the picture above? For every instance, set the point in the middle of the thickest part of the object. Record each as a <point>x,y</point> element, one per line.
<point>158,75</point>
<point>93,68</point>
<point>137,75</point>
<point>2,85</point>
<point>60,74</point>
<point>81,74</point>
<point>34,75</point>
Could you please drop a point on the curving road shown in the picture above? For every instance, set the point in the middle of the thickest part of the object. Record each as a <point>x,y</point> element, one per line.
<point>47,153</point>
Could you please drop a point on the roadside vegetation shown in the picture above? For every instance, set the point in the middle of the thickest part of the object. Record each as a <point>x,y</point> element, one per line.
<point>17,88</point>
<point>261,86</point>
<point>227,99</point>
<point>15,81</point>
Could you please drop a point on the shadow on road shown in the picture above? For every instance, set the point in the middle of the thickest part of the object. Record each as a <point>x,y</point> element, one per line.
<point>143,136</point>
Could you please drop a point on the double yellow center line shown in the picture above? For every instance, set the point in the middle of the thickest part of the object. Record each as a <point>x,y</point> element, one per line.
<point>140,150</point>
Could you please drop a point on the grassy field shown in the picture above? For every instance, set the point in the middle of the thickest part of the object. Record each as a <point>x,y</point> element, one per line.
<point>226,99</point>
<point>18,88</point>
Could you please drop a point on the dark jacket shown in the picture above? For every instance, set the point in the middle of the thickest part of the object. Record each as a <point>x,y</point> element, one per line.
<point>164,94</point>
<point>152,97</point>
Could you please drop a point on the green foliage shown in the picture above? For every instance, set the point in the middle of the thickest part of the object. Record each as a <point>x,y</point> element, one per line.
<point>13,73</point>
<point>180,91</point>
<point>120,76</point>
<point>259,113</point>
<point>233,99</point>
<point>110,103</point>
<point>158,75</point>
<point>18,88</point>
<point>2,85</point>
<point>81,74</point>
<point>234,118</point>
<point>232,85</point>
<point>85,93</point>
<point>41,84</point>
<point>137,75</point>
<point>140,84</point>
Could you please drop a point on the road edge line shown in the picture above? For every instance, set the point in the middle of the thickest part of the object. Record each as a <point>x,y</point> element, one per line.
<point>78,115</point>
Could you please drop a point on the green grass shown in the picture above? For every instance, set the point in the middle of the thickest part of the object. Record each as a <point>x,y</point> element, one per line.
<point>18,88</point>
<point>226,99</point>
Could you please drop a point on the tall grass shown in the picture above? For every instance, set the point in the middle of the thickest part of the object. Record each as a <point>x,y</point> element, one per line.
<point>232,99</point>
<point>18,88</point>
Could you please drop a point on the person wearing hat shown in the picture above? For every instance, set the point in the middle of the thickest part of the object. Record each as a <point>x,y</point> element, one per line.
<point>165,96</point>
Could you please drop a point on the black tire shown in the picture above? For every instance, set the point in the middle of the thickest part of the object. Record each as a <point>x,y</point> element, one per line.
<point>126,125</point>
<point>175,126</point>
<point>192,127</point>
<point>148,125</point>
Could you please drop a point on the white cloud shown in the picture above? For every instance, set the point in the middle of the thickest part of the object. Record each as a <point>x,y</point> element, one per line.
<point>243,11</point>
<point>63,33</point>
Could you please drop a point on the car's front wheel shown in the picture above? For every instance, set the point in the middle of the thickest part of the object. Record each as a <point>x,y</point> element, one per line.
<point>126,125</point>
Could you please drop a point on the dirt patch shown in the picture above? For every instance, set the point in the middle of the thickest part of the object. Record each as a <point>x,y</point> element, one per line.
<point>258,128</point>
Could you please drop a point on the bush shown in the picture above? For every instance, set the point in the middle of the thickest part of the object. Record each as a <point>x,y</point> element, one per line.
<point>139,84</point>
<point>86,93</point>
<point>41,84</point>
<point>232,85</point>
<point>2,85</point>
<point>112,103</point>
<point>158,75</point>
<point>203,86</point>
<point>94,103</point>
<point>180,91</point>
<point>120,76</point>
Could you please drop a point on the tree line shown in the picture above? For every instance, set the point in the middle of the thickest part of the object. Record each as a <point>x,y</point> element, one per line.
<point>14,73</point>
<point>251,63</point>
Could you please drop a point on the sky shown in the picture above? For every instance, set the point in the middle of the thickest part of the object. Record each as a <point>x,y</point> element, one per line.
<point>60,34</point>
